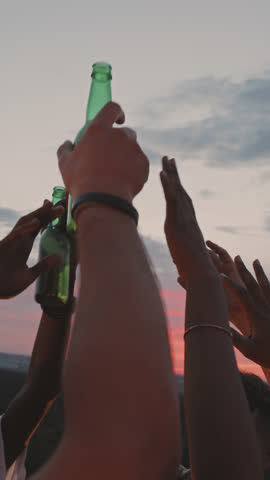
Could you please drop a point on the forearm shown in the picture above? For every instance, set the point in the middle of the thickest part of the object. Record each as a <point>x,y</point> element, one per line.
<point>43,383</point>
<point>221,434</point>
<point>118,359</point>
<point>49,353</point>
<point>21,419</point>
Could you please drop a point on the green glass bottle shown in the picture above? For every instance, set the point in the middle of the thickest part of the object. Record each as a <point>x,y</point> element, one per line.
<point>52,286</point>
<point>100,94</point>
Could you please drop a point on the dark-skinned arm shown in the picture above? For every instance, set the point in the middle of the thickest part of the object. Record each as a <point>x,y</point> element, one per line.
<point>42,386</point>
<point>44,379</point>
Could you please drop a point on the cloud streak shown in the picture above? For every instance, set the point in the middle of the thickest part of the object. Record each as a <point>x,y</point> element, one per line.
<point>219,121</point>
<point>8,216</point>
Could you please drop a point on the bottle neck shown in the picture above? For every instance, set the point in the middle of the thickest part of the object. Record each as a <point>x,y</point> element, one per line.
<point>100,94</point>
<point>59,223</point>
<point>59,198</point>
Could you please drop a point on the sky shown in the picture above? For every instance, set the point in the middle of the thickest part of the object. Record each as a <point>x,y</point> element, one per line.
<point>194,80</point>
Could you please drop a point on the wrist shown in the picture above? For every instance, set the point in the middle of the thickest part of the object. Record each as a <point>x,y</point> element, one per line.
<point>202,276</point>
<point>61,313</point>
<point>197,267</point>
<point>98,213</point>
<point>102,185</point>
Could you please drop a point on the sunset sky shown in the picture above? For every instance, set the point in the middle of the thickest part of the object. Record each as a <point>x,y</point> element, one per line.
<point>194,80</point>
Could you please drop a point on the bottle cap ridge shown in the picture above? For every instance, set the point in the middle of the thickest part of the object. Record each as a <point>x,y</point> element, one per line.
<point>59,189</point>
<point>102,68</point>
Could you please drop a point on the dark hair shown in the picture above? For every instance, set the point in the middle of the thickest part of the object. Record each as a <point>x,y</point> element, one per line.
<point>257,392</point>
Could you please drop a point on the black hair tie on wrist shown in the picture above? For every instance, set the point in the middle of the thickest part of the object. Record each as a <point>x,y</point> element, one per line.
<point>107,199</point>
<point>60,312</point>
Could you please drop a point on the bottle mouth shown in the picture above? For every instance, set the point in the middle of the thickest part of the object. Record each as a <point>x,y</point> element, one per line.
<point>59,189</point>
<point>102,68</point>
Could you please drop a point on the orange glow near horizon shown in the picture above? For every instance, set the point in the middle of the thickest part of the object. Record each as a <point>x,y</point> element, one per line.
<point>19,320</point>
<point>174,301</point>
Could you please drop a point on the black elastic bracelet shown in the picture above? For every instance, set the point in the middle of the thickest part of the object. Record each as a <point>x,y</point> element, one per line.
<point>62,312</point>
<point>112,200</point>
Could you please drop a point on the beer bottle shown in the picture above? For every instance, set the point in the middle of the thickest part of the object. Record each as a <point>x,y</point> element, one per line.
<point>52,287</point>
<point>100,94</point>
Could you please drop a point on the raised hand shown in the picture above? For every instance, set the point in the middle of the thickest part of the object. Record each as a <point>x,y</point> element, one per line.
<point>254,299</point>
<point>184,237</point>
<point>226,266</point>
<point>106,159</point>
<point>15,248</point>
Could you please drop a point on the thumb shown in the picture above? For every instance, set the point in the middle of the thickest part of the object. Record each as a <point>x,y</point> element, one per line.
<point>181,282</point>
<point>64,152</point>
<point>243,344</point>
<point>44,265</point>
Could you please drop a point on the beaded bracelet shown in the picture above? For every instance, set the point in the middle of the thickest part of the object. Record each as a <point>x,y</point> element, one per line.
<point>208,325</point>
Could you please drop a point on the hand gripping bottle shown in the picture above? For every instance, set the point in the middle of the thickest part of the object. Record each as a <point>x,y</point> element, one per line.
<point>52,287</point>
<point>100,94</point>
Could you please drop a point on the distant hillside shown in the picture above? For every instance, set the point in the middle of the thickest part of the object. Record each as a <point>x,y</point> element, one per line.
<point>14,362</point>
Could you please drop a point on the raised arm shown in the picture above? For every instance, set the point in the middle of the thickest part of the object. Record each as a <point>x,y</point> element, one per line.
<point>217,413</point>
<point>120,394</point>
<point>44,379</point>
<point>27,409</point>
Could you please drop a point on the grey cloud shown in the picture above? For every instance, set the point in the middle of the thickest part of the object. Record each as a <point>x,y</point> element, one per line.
<point>152,155</point>
<point>264,177</point>
<point>206,193</point>
<point>8,216</point>
<point>161,261</point>
<point>267,223</point>
<point>231,126</point>
<point>228,229</point>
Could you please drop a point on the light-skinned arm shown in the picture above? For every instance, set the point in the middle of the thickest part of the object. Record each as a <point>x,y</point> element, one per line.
<point>221,434</point>
<point>120,392</point>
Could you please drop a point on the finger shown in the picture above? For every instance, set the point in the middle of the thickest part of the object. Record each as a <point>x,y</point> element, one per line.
<point>44,217</point>
<point>164,162</point>
<point>56,212</point>
<point>64,151</point>
<point>21,230</point>
<point>250,282</point>
<point>46,207</point>
<point>216,260</point>
<point>262,279</point>
<point>130,133</point>
<point>181,282</point>
<point>223,254</point>
<point>111,113</point>
<point>170,180</point>
<point>44,265</point>
<point>176,183</point>
<point>243,344</point>
<point>169,166</point>
<point>165,185</point>
<point>239,292</point>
